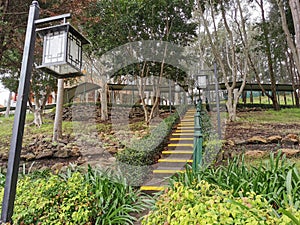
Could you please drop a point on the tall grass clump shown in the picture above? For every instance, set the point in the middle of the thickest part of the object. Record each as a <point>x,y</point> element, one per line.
<point>277,181</point>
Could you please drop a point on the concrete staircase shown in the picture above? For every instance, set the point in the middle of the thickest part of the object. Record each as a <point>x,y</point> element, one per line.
<point>177,155</point>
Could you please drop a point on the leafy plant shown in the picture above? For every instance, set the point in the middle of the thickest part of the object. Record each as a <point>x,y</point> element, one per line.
<point>76,197</point>
<point>208,204</point>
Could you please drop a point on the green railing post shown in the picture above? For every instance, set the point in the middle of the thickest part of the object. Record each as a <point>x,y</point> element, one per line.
<point>198,138</point>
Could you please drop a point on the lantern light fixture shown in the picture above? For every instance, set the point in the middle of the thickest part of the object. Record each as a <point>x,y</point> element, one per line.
<point>62,50</point>
<point>201,81</point>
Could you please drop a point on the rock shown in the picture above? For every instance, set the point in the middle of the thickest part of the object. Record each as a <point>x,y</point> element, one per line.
<point>291,139</point>
<point>62,153</point>
<point>111,160</point>
<point>289,152</point>
<point>81,160</point>
<point>44,154</point>
<point>240,142</point>
<point>255,153</point>
<point>28,156</point>
<point>75,152</point>
<point>69,146</point>
<point>57,167</point>
<point>256,140</point>
<point>5,156</point>
<point>54,144</point>
<point>113,150</point>
<point>274,139</point>
<point>75,148</point>
<point>230,142</point>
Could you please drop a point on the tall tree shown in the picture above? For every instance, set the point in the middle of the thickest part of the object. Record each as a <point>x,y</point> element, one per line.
<point>266,47</point>
<point>293,38</point>
<point>115,23</point>
<point>226,46</point>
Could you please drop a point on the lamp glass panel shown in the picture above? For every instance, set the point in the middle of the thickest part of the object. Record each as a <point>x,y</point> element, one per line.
<point>74,51</point>
<point>54,50</point>
<point>63,69</point>
<point>201,81</point>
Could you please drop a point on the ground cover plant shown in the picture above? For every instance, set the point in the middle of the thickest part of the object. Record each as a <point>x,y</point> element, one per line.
<point>76,197</point>
<point>206,203</point>
<point>285,116</point>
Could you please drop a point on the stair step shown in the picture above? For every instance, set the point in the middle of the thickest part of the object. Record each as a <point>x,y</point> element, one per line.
<point>176,160</point>
<point>175,165</point>
<point>181,124</point>
<point>182,134</point>
<point>152,188</point>
<point>177,156</point>
<point>168,171</point>
<point>179,131</point>
<point>181,139</point>
<point>177,152</point>
<point>180,145</point>
<point>184,157</point>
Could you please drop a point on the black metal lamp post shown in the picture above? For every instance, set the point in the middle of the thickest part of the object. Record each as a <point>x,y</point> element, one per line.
<point>62,57</point>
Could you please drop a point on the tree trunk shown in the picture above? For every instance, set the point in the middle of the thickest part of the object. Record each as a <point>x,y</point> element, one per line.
<point>231,109</point>
<point>38,117</point>
<point>141,91</point>
<point>104,109</point>
<point>295,47</point>
<point>37,112</point>
<point>266,34</point>
<point>295,9</point>
<point>57,130</point>
<point>8,104</point>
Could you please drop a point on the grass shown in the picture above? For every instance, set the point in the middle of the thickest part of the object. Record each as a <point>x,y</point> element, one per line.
<point>264,100</point>
<point>46,129</point>
<point>30,131</point>
<point>270,116</point>
<point>284,116</point>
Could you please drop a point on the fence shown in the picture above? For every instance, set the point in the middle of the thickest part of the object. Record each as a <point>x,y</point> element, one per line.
<point>198,138</point>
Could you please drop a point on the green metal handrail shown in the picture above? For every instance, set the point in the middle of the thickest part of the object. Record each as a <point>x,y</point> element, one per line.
<point>198,138</point>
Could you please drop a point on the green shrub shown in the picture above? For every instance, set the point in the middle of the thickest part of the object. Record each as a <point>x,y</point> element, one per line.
<point>208,204</point>
<point>144,151</point>
<point>92,197</point>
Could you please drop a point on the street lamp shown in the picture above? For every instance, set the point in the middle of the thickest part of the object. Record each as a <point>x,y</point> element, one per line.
<point>201,83</point>
<point>62,50</point>
<point>67,62</point>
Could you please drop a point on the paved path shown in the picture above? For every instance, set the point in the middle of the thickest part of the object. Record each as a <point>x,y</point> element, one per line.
<point>178,154</point>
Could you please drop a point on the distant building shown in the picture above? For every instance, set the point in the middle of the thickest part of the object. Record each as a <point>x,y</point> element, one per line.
<point>4,94</point>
